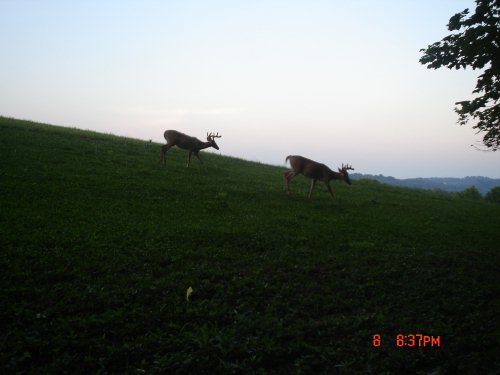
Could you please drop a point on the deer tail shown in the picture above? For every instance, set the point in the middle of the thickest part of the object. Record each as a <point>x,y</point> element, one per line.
<point>288,157</point>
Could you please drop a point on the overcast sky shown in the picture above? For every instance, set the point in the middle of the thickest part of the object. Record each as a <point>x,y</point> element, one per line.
<point>335,81</point>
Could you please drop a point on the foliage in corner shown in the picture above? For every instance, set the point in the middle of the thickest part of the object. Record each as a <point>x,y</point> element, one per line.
<point>475,43</point>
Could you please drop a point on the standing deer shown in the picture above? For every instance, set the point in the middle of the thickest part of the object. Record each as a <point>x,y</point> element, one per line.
<point>316,171</point>
<point>192,144</point>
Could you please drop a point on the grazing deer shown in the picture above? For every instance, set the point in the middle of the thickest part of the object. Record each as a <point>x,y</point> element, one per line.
<point>316,171</point>
<point>192,144</point>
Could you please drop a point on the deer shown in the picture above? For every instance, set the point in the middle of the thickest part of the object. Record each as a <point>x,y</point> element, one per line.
<point>316,171</point>
<point>186,142</point>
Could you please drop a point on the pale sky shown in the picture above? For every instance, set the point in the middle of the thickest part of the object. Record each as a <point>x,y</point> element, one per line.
<point>335,81</point>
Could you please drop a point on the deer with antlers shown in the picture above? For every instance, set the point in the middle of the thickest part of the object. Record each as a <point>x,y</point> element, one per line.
<point>192,144</point>
<point>316,171</point>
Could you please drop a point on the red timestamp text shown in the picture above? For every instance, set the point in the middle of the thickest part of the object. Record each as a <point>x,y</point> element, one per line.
<point>410,340</point>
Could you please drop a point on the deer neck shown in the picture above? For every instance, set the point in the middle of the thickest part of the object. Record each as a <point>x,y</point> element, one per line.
<point>332,175</point>
<point>205,145</point>
<point>201,145</point>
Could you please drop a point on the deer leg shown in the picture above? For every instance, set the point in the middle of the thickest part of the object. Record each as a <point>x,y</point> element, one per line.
<point>198,156</point>
<point>164,150</point>
<point>162,154</point>
<point>329,189</point>
<point>288,176</point>
<point>189,158</point>
<point>313,182</point>
<point>285,181</point>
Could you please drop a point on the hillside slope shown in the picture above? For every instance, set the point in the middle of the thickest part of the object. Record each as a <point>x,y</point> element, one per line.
<point>100,243</point>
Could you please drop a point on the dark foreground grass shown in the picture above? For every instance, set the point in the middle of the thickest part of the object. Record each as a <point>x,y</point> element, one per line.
<point>98,245</point>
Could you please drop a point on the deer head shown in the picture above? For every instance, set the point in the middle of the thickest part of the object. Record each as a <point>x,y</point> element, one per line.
<point>211,138</point>
<point>343,172</point>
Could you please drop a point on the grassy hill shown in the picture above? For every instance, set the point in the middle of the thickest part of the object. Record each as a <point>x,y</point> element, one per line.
<point>99,244</point>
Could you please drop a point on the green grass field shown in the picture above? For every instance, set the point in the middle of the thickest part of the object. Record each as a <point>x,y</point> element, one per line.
<point>99,244</point>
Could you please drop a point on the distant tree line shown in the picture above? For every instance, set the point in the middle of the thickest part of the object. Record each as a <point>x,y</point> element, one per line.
<point>494,195</point>
<point>468,187</point>
<point>472,193</point>
<point>452,184</point>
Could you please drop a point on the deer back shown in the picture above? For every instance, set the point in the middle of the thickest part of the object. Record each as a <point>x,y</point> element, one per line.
<point>182,140</point>
<point>310,168</point>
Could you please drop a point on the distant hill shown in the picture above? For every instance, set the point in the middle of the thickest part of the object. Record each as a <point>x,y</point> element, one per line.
<point>483,184</point>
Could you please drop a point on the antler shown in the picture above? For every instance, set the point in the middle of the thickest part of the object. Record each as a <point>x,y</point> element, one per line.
<point>211,135</point>
<point>347,167</point>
